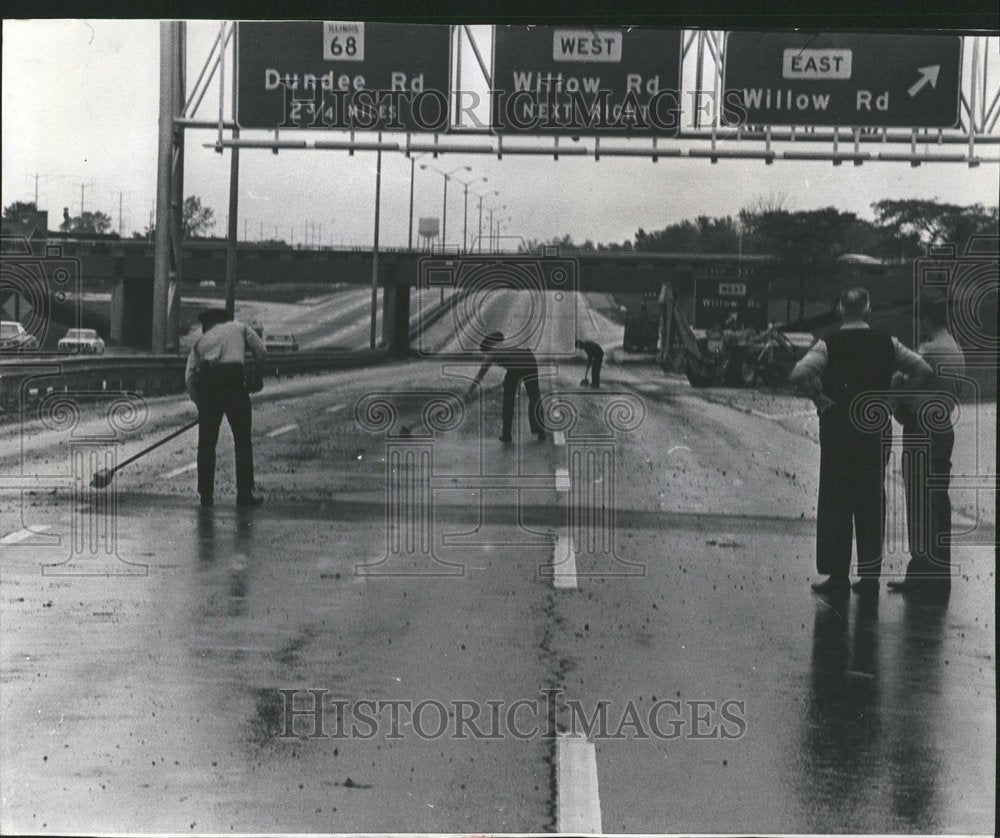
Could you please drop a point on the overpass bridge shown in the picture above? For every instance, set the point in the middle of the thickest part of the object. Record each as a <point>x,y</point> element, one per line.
<point>127,267</point>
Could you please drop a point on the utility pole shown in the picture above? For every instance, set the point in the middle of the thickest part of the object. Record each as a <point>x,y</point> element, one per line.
<point>82,188</point>
<point>121,232</point>
<point>246,229</point>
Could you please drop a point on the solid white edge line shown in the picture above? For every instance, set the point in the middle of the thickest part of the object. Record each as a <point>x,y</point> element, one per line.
<point>24,534</point>
<point>562,480</point>
<point>578,802</point>
<point>177,472</point>
<point>334,408</point>
<point>284,429</point>
<point>563,563</point>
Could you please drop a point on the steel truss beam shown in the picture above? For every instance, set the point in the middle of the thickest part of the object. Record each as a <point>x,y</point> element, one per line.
<point>704,139</point>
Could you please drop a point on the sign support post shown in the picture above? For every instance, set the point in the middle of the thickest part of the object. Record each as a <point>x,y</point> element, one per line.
<point>378,198</point>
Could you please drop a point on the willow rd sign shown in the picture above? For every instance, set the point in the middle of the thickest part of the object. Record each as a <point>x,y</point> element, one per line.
<point>586,81</point>
<point>836,79</point>
<point>342,74</point>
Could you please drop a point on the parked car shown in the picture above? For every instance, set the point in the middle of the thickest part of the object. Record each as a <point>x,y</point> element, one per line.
<point>15,338</point>
<point>281,343</point>
<point>83,341</point>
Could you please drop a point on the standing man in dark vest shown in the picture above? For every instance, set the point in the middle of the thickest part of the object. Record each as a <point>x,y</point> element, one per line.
<point>841,375</point>
<point>217,384</point>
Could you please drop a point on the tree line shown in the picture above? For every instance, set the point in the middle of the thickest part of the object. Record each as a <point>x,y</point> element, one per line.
<point>809,239</point>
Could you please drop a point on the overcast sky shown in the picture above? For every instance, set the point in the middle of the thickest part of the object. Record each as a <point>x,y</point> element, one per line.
<point>80,107</point>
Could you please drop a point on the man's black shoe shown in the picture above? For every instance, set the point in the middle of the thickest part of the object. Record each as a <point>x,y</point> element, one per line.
<point>207,501</point>
<point>250,500</point>
<point>866,586</point>
<point>505,438</point>
<point>912,585</point>
<point>832,585</point>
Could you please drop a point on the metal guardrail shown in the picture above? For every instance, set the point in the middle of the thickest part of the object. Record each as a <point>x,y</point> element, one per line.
<point>29,379</point>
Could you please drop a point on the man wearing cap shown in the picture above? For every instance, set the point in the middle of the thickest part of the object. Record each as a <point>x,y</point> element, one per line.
<point>840,374</point>
<point>216,382</point>
<point>521,366</point>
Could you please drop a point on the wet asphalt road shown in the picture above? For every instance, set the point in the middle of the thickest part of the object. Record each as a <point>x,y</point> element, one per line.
<point>149,700</point>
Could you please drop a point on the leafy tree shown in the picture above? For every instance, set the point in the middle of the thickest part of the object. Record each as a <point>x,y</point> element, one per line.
<point>14,210</point>
<point>702,235</point>
<point>89,222</point>
<point>917,222</point>
<point>198,219</point>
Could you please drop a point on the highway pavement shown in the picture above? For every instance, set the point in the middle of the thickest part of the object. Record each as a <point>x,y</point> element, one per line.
<point>609,631</point>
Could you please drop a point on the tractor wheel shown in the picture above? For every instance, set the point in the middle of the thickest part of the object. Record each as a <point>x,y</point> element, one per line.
<point>746,370</point>
<point>697,374</point>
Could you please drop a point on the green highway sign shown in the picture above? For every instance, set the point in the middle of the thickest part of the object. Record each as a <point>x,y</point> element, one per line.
<point>839,79</point>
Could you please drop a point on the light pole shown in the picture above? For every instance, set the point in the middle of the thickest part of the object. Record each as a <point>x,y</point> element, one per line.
<point>412,161</point>
<point>444,209</point>
<point>494,192</point>
<point>465,221</point>
<point>493,239</point>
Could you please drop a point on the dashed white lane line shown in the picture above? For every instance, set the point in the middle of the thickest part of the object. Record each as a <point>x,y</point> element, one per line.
<point>177,472</point>
<point>562,480</point>
<point>18,536</point>
<point>577,794</point>
<point>335,408</point>
<point>559,437</point>
<point>284,429</point>
<point>564,563</point>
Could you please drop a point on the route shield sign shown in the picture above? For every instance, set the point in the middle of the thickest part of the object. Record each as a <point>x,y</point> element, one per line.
<point>586,81</point>
<point>342,74</point>
<point>865,80</point>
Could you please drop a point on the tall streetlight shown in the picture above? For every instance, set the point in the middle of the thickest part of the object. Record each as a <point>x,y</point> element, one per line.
<point>493,240</point>
<point>412,161</point>
<point>444,210</point>
<point>494,192</point>
<point>465,221</point>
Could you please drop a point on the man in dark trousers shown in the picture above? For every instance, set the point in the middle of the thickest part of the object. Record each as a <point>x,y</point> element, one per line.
<point>924,410</point>
<point>595,357</point>
<point>217,384</point>
<point>852,363</point>
<point>521,366</point>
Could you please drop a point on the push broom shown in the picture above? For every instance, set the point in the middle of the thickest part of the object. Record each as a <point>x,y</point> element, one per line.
<point>102,478</point>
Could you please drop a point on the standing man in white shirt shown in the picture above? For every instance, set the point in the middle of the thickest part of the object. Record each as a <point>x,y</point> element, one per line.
<point>850,363</point>
<point>216,383</point>
<point>925,412</point>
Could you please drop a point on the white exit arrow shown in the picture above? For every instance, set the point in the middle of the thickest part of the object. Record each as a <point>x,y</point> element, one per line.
<point>927,74</point>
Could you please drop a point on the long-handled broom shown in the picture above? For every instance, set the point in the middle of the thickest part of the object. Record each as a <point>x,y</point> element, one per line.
<point>102,478</point>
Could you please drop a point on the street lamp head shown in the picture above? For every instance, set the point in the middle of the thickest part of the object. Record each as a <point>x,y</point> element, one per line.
<point>423,165</point>
<point>468,168</point>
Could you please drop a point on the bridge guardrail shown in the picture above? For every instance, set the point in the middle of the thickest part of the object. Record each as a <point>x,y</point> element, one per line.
<point>27,380</point>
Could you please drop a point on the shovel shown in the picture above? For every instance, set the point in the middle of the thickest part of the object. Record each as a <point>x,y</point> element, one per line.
<point>102,478</point>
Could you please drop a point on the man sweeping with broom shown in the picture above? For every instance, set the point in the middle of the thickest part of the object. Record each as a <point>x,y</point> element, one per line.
<point>217,383</point>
